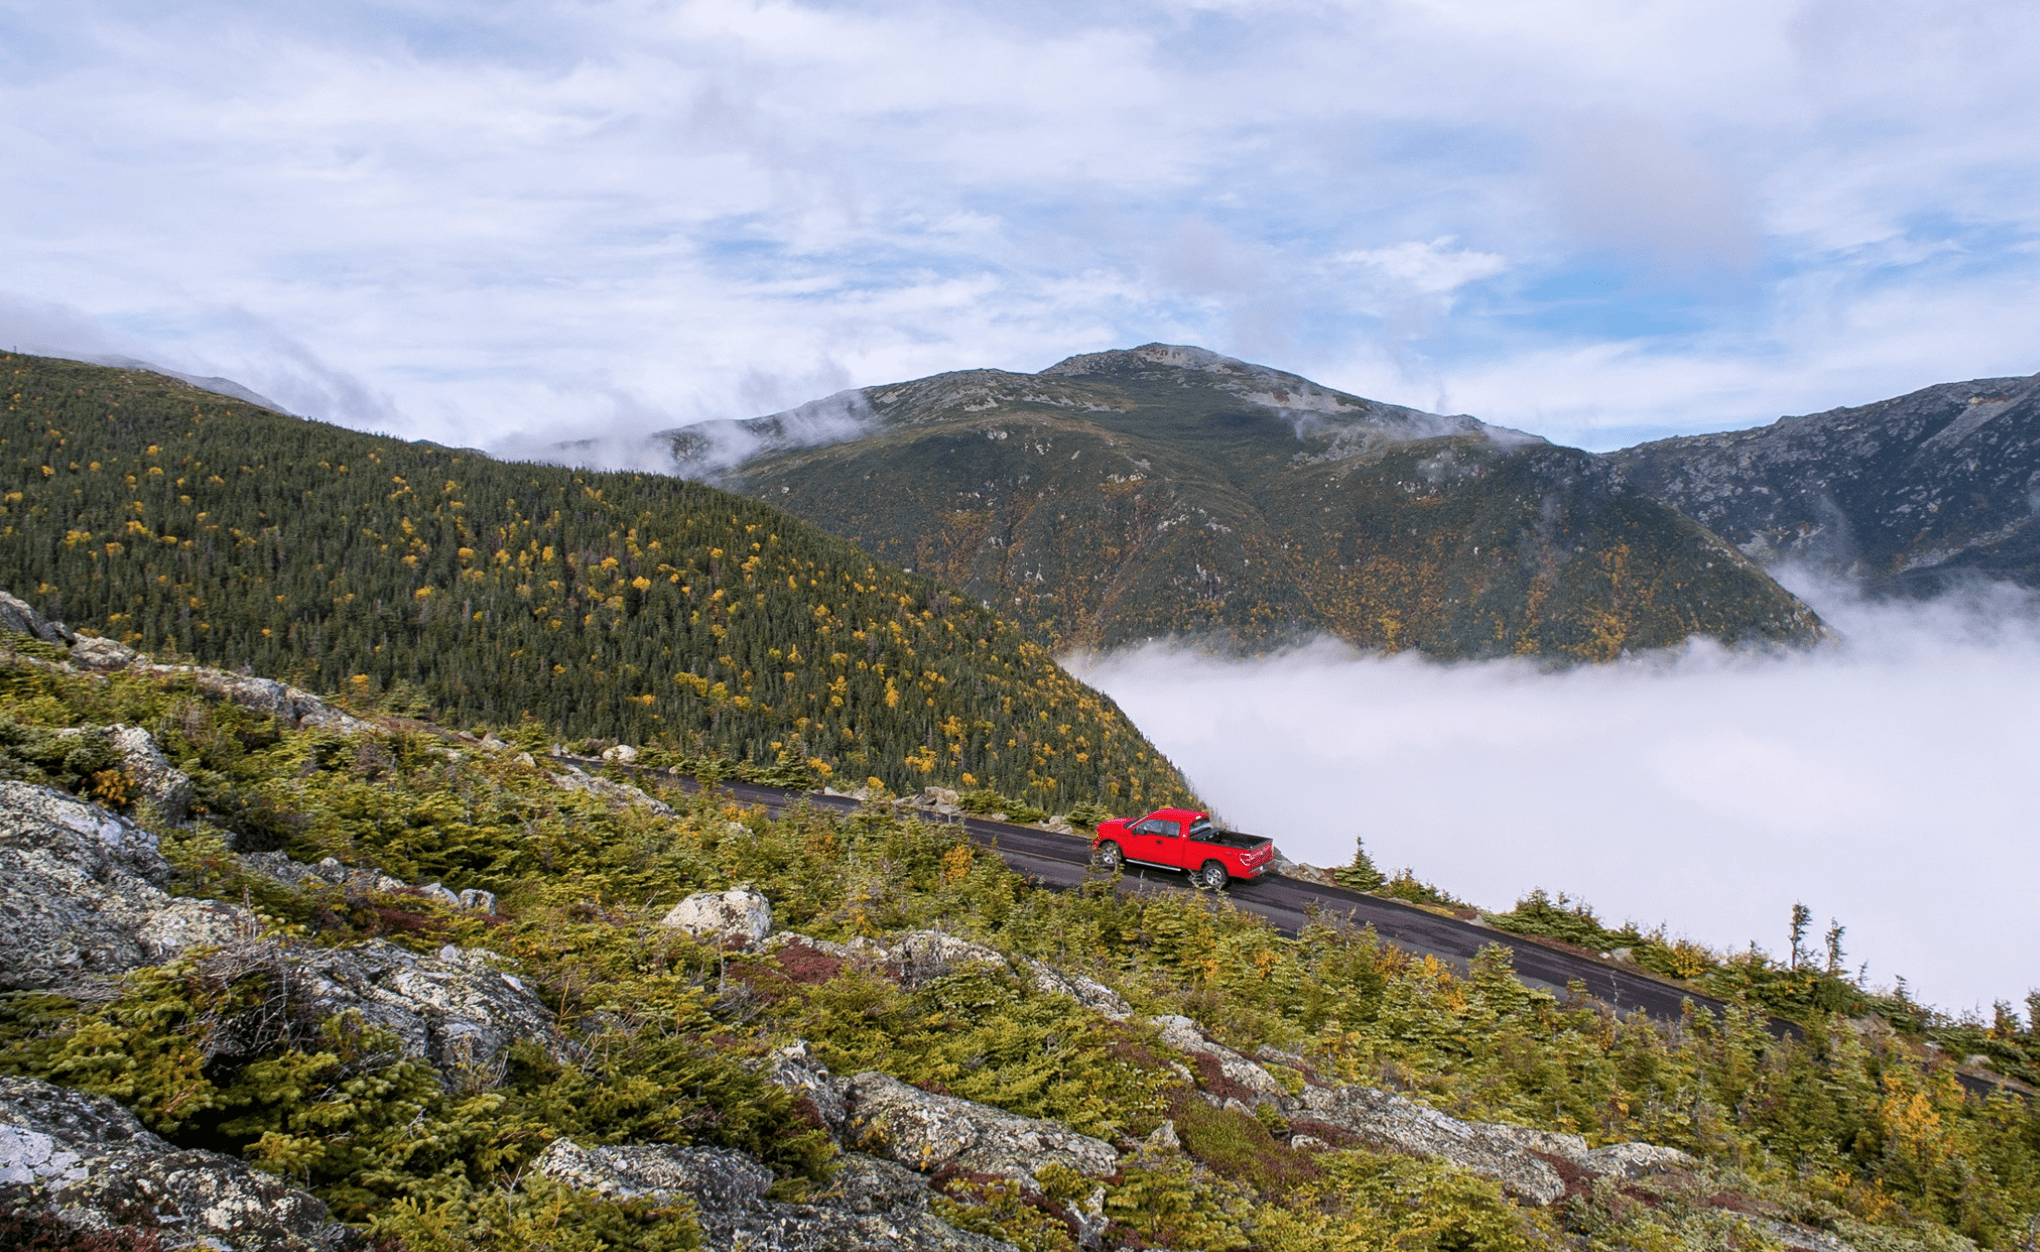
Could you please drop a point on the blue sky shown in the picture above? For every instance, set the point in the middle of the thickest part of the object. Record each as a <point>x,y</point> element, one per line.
<point>1600,221</point>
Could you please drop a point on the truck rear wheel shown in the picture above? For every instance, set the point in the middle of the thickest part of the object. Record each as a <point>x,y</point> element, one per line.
<point>1211,876</point>
<point>1108,857</point>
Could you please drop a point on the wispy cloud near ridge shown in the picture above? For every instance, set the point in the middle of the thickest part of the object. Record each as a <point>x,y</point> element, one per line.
<point>1885,781</point>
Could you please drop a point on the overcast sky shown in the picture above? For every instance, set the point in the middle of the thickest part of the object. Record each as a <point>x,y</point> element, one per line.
<point>1598,220</point>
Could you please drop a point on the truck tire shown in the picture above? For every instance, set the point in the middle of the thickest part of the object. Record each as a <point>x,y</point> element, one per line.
<point>1108,857</point>
<point>1211,876</point>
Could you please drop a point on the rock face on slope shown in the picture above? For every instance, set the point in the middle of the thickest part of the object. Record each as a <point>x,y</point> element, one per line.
<point>1911,494</point>
<point>1168,491</point>
<point>933,1132</point>
<point>81,894</point>
<point>871,1204</point>
<point>85,1161</point>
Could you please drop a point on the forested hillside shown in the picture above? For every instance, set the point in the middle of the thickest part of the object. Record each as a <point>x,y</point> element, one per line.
<point>627,606</point>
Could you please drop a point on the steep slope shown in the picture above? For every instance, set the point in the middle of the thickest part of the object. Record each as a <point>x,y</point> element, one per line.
<point>1165,491</point>
<point>1907,494</point>
<point>631,606</point>
<point>472,1004</point>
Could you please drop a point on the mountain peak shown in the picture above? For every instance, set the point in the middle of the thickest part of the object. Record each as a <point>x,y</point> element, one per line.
<point>1179,356</point>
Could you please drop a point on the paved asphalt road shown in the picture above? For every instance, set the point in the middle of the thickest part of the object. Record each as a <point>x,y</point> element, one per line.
<point>1065,861</point>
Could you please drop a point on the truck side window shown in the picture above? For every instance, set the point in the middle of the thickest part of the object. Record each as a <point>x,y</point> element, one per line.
<point>1153,826</point>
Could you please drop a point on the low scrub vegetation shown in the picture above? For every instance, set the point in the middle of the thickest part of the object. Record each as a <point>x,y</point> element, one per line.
<point>1857,1128</point>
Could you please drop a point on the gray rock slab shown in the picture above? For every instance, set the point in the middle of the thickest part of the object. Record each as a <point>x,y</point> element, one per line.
<point>1389,1122</point>
<point>921,956</point>
<point>458,1009</point>
<point>869,1205</point>
<point>742,918</point>
<point>81,894</point>
<point>87,1162</point>
<point>615,793</point>
<point>163,784</point>
<point>928,1132</point>
<point>19,617</point>
<point>1090,993</point>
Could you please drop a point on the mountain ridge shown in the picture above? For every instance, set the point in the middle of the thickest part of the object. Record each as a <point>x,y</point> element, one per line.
<point>1910,495</point>
<point>1189,493</point>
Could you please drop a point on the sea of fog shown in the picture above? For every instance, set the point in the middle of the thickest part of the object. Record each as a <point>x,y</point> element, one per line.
<point>1890,781</point>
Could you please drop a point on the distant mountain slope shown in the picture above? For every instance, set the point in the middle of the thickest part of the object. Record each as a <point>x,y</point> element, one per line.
<point>1167,491</point>
<point>633,606</point>
<point>1906,494</point>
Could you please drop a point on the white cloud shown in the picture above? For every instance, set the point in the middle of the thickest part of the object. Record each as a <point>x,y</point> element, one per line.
<point>461,207</point>
<point>1885,782</point>
<point>1435,268</point>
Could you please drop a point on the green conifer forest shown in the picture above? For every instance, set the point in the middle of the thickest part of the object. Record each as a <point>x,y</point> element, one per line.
<point>633,607</point>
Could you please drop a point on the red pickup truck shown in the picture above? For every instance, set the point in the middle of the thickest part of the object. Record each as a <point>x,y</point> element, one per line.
<point>1183,839</point>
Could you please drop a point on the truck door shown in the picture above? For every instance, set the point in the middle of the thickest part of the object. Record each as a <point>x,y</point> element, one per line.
<point>1156,841</point>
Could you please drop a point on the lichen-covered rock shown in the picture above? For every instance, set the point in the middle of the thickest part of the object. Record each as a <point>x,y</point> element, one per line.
<point>87,1162</point>
<point>715,1179</point>
<point>19,617</point>
<point>796,1068</point>
<point>1636,1160</point>
<point>1618,1160</point>
<point>94,653</point>
<point>616,793</point>
<point>1093,995</point>
<point>1566,1147</point>
<point>81,894</point>
<point>920,956</point>
<point>266,695</point>
<point>1390,1122</point>
<point>930,1132</point>
<point>1186,1036</point>
<point>457,1010</point>
<point>163,784</point>
<point>870,1205</point>
<point>741,918</point>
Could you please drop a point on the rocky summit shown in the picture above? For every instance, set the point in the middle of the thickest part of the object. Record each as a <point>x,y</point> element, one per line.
<point>1911,495</point>
<point>1169,492</point>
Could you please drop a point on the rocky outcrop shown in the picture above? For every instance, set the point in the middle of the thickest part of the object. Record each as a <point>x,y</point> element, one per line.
<point>86,1162</point>
<point>19,617</point>
<point>739,918</point>
<point>799,1071</point>
<point>266,695</point>
<point>1636,1160</point>
<point>615,793</point>
<point>1389,1122</point>
<point>1093,995</point>
<point>932,1132</point>
<point>457,1009</point>
<point>81,894</point>
<point>164,786</point>
<point>921,956</point>
<point>357,881</point>
<point>1256,1084</point>
<point>93,653</point>
<point>870,1204</point>
<point>329,872</point>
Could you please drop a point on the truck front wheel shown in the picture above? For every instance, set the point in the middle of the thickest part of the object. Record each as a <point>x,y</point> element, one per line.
<point>1108,857</point>
<point>1211,876</point>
